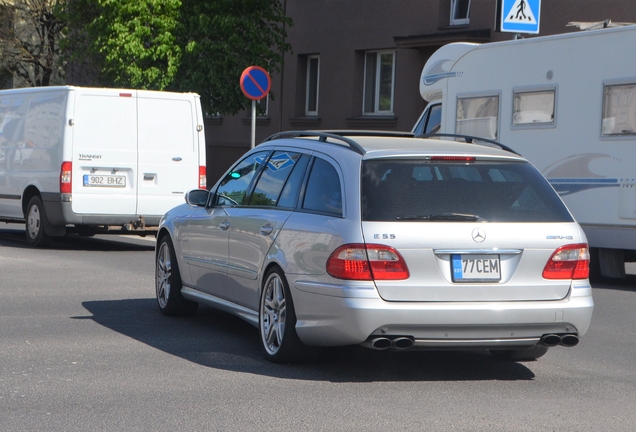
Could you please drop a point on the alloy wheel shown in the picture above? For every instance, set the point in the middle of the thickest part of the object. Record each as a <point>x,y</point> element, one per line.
<point>273,314</point>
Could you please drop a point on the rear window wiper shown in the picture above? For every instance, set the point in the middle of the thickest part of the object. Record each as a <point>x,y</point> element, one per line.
<point>441,217</point>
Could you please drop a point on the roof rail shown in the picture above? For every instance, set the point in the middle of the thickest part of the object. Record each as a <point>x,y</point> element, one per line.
<point>370,133</point>
<point>469,139</point>
<point>322,137</point>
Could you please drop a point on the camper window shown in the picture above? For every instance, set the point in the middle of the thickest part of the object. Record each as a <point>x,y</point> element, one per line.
<point>478,116</point>
<point>619,109</point>
<point>533,108</point>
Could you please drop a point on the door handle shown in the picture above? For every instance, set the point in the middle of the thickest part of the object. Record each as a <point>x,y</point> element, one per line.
<point>267,229</point>
<point>224,225</point>
<point>177,159</point>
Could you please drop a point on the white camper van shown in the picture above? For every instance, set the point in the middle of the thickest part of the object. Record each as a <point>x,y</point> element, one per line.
<point>568,104</point>
<point>85,160</point>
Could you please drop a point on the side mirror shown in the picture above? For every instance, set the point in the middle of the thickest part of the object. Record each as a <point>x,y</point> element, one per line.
<point>197,197</point>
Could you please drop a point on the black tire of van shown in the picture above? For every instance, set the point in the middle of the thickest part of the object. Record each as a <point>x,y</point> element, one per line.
<point>35,220</point>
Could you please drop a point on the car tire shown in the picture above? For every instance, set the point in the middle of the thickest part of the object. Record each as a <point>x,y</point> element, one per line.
<point>168,282</point>
<point>277,322</point>
<point>521,354</point>
<point>35,222</point>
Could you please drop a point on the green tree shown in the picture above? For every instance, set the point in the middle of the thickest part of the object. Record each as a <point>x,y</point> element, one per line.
<point>183,45</point>
<point>130,43</point>
<point>30,32</point>
<point>220,39</point>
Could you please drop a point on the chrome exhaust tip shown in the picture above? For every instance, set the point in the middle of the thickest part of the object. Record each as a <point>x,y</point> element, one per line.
<point>402,343</point>
<point>381,343</point>
<point>569,340</point>
<point>551,340</point>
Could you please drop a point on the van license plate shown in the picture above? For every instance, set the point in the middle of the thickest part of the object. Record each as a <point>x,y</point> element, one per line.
<point>476,268</point>
<point>105,180</point>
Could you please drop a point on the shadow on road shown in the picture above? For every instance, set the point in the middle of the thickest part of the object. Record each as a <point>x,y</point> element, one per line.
<point>218,340</point>
<point>17,239</point>
<point>627,284</point>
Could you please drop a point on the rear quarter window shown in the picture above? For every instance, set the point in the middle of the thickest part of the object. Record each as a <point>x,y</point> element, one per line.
<point>495,192</point>
<point>323,193</point>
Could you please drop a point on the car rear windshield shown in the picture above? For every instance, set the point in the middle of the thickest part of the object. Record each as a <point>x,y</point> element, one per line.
<point>408,190</point>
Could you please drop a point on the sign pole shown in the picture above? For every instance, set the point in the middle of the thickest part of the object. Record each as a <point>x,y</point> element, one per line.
<point>253,123</point>
<point>255,84</point>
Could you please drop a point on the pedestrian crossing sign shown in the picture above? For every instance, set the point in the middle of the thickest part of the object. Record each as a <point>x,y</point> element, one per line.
<point>520,16</point>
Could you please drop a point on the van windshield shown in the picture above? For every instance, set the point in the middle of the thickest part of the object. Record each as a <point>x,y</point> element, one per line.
<point>409,190</point>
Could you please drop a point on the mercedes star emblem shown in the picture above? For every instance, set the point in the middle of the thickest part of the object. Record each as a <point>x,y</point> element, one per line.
<point>479,235</point>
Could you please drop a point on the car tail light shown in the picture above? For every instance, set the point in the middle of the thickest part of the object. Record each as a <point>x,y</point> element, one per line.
<point>453,158</point>
<point>202,178</point>
<point>367,262</point>
<point>569,262</point>
<point>66,178</point>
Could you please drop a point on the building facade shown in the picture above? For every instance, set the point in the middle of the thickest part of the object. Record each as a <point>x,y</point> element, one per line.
<point>356,64</point>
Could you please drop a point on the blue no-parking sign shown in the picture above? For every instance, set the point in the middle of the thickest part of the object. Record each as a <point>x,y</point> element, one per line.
<point>255,82</point>
<point>520,16</point>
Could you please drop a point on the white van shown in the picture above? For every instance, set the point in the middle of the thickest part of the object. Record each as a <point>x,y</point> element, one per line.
<point>567,103</point>
<point>76,159</point>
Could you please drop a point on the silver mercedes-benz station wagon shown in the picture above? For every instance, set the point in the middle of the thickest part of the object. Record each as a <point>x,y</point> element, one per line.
<point>393,242</point>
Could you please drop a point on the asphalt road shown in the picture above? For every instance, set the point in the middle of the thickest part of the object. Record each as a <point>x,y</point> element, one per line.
<point>84,348</point>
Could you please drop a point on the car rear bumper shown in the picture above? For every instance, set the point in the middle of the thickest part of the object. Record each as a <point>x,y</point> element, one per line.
<point>348,316</point>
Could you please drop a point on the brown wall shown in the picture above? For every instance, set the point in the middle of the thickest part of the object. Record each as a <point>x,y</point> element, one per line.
<point>340,31</point>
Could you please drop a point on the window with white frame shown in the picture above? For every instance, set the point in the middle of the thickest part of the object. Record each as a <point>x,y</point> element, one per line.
<point>460,12</point>
<point>533,107</point>
<point>478,116</point>
<point>261,106</point>
<point>379,82</point>
<point>313,80</point>
<point>619,109</point>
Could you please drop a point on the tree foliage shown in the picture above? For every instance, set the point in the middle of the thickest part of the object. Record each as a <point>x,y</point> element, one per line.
<point>184,45</point>
<point>30,32</point>
<point>223,37</point>
<point>131,43</point>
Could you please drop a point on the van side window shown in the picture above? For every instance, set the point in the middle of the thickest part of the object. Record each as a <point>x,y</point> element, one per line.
<point>323,193</point>
<point>533,107</point>
<point>619,105</point>
<point>235,186</point>
<point>430,121</point>
<point>478,116</point>
<point>272,180</point>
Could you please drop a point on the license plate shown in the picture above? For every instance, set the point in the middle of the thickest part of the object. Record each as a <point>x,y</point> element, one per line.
<point>476,268</point>
<point>104,180</point>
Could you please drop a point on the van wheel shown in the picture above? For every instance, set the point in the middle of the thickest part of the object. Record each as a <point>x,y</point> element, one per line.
<point>521,354</point>
<point>277,322</point>
<point>168,283</point>
<point>35,221</point>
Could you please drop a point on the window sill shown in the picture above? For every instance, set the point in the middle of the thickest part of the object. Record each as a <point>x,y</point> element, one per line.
<point>213,121</point>
<point>455,26</point>
<point>307,122</point>
<point>260,121</point>
<point>372,122</point>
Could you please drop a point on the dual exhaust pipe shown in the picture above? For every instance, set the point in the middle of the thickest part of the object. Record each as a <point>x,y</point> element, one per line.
<point>566,340</point>
<point>404,342</point>
<point>398,343</point>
